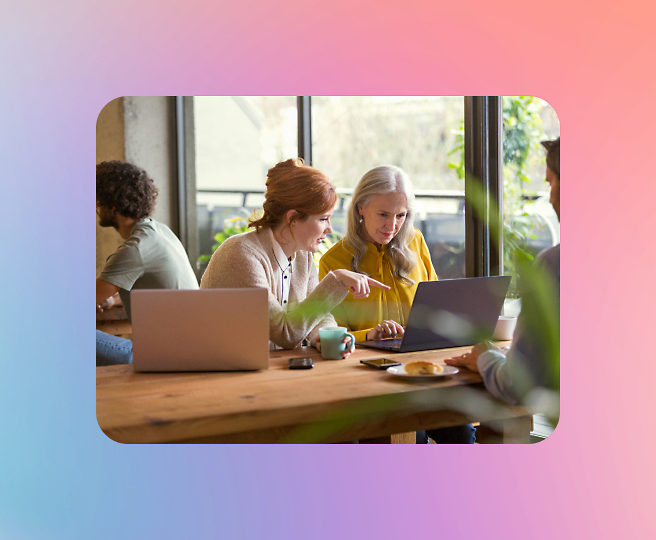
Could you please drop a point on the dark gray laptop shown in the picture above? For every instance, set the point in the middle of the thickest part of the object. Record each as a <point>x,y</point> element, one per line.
<point>450,313</point>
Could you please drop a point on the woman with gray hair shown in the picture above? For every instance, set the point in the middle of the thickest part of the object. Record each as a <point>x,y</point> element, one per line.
<point>382,243</point>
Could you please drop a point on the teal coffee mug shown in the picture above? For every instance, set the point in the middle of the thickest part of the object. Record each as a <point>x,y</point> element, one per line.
<point>332,347</point>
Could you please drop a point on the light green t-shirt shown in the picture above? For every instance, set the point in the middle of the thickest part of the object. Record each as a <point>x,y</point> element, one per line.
<point>152,258</point>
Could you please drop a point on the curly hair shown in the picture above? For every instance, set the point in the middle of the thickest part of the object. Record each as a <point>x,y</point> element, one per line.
<point>125,188</point>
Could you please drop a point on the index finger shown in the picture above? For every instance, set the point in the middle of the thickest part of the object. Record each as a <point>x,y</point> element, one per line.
<point>455,361</point>
<point>378,284</point>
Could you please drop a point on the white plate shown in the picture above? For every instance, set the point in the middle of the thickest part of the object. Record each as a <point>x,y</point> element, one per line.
<point>399,371</point>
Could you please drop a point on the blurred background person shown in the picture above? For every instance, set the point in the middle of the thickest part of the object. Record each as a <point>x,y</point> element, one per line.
<point>534,357</point>
<point>151,257</point>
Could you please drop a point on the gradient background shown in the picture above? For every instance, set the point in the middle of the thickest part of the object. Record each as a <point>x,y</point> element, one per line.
<point>61,478</point>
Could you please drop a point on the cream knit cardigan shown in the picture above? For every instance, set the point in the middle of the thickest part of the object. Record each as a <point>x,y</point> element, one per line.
<point>247,260</point>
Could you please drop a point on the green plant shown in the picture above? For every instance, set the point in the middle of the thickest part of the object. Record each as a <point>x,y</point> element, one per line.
<point>239,225</point>
<point>522,132</point>
<point>231,227</point>
<point>459,151</point>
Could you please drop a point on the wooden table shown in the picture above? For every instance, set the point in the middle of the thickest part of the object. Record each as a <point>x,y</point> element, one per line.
<point>336,401</point>
<point>113,320</point>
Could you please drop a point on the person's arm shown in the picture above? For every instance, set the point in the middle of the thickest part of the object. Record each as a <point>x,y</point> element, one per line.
<point>339,312</point>
<point>385,330</point>
<point>121,271</point>
<point>340,319</point>
<point>512,375</point>
<point>488,360</point>
<point>494,368</point>
<point>469,360</point>
<point>328,320</point>
<point>347,279</point>
<point>332,262</point>
<point>535,348</point>
<point>357,284</point>
<point>104,291</point>
<point>112,301</point>
<point>239,265</point>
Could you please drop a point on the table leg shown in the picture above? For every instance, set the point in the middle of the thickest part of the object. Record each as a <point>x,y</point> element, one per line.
<point>397,438</point>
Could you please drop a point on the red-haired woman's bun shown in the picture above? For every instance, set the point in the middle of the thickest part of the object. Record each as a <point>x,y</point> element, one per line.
<point>292,185</point>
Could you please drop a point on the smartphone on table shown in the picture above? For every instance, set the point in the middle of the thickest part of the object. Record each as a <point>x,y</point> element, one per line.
<point>380,363</point>
<point>301,363</point>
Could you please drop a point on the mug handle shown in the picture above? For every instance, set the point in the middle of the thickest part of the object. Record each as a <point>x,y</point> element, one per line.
<point>352,341</point>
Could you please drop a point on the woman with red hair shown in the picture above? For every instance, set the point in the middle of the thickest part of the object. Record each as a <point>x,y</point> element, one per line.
<point>278,256</point>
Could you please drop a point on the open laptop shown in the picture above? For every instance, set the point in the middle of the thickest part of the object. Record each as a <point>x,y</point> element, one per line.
<point>450,313</point>
<point>200,330</point>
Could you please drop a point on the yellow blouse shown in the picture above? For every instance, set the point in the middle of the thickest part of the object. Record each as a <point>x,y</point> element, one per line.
<point>360,316</point>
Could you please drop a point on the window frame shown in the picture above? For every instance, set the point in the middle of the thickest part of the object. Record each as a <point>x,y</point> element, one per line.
<point>483,170</point>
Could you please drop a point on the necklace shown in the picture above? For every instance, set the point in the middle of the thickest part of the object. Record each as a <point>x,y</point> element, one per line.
<point>284,277</point>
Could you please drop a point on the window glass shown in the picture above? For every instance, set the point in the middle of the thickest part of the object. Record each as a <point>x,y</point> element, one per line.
<point>351,135</point>
<point>530,223</point>
<point>238,139</point>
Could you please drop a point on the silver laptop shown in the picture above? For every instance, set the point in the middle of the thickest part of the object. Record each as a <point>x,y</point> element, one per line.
<point>200,330</point>
<point>450,313</point>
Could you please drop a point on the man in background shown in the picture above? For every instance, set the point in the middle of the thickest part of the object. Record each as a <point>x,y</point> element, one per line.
<point>151,257</point>
<point>533,363</point>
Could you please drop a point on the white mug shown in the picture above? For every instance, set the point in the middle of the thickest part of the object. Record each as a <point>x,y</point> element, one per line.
<point>505,328</point>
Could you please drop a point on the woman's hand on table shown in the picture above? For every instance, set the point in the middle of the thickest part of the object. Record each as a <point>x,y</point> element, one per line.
<point>384,330</point>
<point>347,340</point>
<point>470,360</point>
<point>358,284</point>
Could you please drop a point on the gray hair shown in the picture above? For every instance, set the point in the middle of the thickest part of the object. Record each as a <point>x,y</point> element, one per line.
<point>383,181</point>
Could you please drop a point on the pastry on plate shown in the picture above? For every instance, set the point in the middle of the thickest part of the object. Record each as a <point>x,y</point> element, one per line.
<point>423,368</point>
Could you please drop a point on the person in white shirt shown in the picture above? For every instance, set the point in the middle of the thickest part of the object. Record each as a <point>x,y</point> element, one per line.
<point>532,363</point>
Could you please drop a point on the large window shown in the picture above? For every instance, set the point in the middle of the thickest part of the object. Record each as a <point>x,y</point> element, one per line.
<point>530,223</point>
<point>351,135</point>
<point>237,139</point>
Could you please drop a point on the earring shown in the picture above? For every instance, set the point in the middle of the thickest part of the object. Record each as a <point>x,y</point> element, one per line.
<point>361,219</point>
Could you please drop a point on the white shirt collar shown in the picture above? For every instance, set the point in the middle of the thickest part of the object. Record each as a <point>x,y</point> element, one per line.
<point>279,254</point>
<point>283,271</point>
